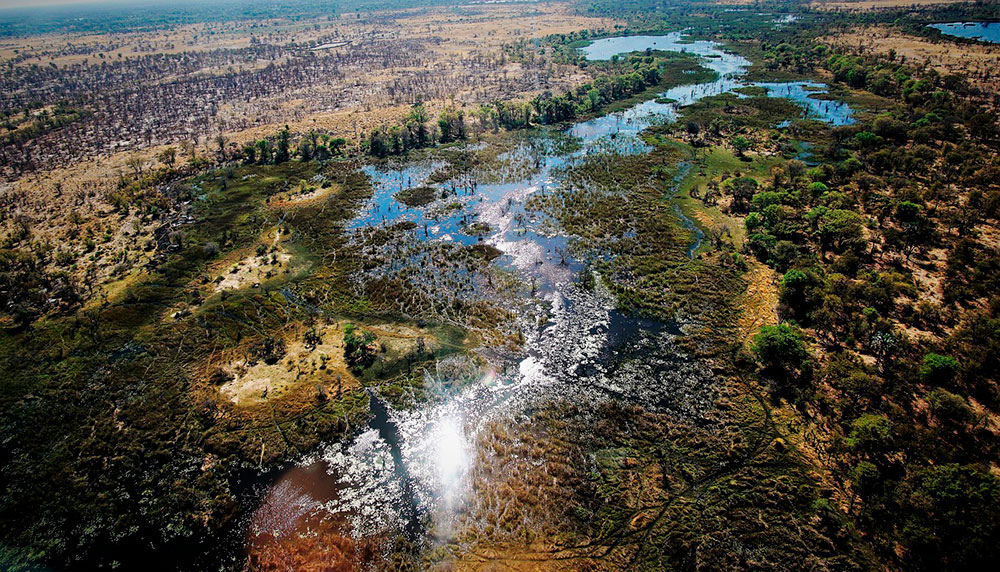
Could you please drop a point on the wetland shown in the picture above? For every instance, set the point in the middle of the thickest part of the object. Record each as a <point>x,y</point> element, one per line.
<point>548,286</point>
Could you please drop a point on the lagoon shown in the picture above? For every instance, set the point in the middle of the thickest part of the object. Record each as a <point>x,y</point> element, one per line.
<point>984,31</point>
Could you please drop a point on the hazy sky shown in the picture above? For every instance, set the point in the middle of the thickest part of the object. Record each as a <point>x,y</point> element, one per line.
<point>29,3</point>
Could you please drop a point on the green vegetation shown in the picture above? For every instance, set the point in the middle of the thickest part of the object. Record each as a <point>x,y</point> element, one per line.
<point>110,397</point>
<point>417,196</point>
<point>30,122</point>
<point>358,350</point>
<point>615,85</point>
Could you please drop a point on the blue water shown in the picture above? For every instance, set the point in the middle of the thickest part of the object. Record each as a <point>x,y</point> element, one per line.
<point>985,31</point>
<point>834,112</point>
<point>729,67</point>
<point>497,200</point>
<point>606,48</point>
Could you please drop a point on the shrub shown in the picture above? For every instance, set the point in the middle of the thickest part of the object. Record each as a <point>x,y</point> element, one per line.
<point>781,353</point>
<point>871,433</point>
<point>938,370</point>
<point>358,351</point>
<point>949,408</point>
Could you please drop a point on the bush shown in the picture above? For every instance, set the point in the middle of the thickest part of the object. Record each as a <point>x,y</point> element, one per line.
<point>938,370</point>
<point>949,408</point>
<point>781,353</point>
<point>871,434</point>
<point>358,350</point>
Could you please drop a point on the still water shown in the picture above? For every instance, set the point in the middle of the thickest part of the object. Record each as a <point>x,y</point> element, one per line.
<point>985,31</point>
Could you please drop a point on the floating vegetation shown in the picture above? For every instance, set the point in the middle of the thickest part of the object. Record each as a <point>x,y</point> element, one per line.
<point>417,196</point>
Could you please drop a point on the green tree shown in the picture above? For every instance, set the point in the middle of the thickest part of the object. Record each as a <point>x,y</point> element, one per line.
<point>952,518</point>
<point>281,152</point>
<point>358,351</point>
<point>795,287</point>
<point>781,353</point>
<point>263,152</point>
<point>250,153</point>
<point>741,144</point>
<point>168,157</point>
<point>742,189</point>
<point>950,409</point>
<point>938,370</point>
<point>841,230</point>
<point>416,124</point>
<point>871,434</point>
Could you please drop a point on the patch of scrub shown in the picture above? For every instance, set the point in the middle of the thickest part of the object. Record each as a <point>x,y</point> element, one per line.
<point>261,373</point>
<point>305,192</point>
<point>269,260</point>
<point>312,358</point>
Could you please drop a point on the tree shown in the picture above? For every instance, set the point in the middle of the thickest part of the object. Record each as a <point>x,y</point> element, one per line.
<point>916,228</point>
<point>781,353</point>
<point>263,152</point>
<point>220,143</point>
<point>416,124</point>
<point>452,125</point>
<point>938,370</point>
<point>358,350</point>
<point>269,350</point>
<point>952,518</point>
<point>312,338</point>
<point>741,144</point>
<point>336,145</point>
<point>742,190</point>
<point>281,152</point>
<point>168,156</point>
<point>871,435</point>
<point>250,153</point>
<point>841,230</point>
<point>950,409</point>
<point>135,163</point>
<point>795,286</point>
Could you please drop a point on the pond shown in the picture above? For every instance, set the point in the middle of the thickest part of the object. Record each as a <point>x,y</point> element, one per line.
<point>985,31</point>
<point>730,69</point>
<point>810,96</point>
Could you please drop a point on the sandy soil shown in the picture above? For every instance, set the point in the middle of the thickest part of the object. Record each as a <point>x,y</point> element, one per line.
<point>322,366</point>
<point>255,269</point>
<point>303,194</point>
<point>866,5</point>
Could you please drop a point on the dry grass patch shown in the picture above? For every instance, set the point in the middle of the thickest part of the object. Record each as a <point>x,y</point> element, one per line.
<point>306,361</point>
<point>760,303</point>
<point>252,380</point>
<point>269,260</point>
<point>303,194</point>
<point>868,5</point>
